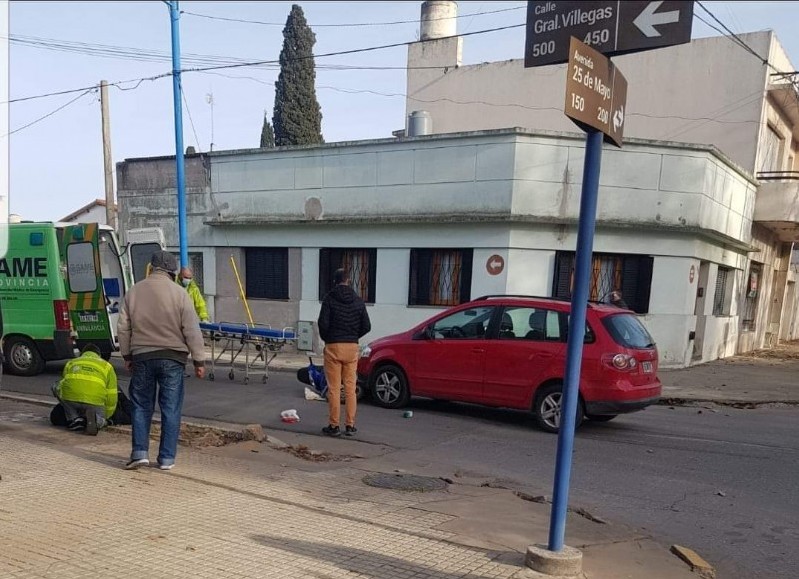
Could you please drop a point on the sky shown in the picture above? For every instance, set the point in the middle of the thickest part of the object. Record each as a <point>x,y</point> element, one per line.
<point>57,164</point>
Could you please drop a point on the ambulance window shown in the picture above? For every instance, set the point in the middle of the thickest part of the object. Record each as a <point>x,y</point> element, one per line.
<point>80,268</point>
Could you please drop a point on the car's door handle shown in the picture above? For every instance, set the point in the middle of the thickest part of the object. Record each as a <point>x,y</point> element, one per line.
<point>478,351</point>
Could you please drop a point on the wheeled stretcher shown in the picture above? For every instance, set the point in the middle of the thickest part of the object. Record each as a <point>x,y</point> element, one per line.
<point>256,341</point>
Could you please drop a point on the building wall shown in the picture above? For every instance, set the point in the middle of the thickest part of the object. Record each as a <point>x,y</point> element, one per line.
<point>726,85</point>
<point>506,193</point>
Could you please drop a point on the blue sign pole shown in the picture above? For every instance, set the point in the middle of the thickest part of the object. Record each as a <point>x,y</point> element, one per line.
<point>574,347</point>
<point>174,16</point>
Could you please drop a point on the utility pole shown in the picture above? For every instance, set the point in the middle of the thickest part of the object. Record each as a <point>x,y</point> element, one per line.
<point>174,17</point>
<point>110,209</point>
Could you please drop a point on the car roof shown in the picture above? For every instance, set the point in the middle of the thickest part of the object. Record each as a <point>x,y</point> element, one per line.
<point>561,304</point>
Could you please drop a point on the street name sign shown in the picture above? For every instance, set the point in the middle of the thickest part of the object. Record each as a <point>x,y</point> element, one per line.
<point>612,28</point>
<point>596,92</point>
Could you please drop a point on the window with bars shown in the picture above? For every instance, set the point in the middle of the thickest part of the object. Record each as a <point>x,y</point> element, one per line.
<point>196,264</point>
<point>440,277</point>
<point>721,297</point>
<point>267,272</point>
<point>752,288</point>
<point>361,264</point>
<point>630,274</point>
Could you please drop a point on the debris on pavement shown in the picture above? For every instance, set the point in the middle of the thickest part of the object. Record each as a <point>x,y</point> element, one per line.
<point>694,561</point>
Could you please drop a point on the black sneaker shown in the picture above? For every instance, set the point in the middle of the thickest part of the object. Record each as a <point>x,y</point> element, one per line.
<point>350,431</point>
<point>91,423</point>
<point>331,431</point>
<point>77,424</point>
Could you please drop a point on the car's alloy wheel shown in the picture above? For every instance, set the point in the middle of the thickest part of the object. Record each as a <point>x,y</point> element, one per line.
<point>390,387</point>
<point>548,408</point>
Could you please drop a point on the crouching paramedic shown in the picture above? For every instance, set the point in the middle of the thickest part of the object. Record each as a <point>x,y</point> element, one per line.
<point>87,391</point>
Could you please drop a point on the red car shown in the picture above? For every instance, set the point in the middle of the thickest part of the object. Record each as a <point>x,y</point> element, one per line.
<point>509,351</point>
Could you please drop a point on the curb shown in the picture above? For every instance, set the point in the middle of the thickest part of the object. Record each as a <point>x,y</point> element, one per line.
<point>226,427</point>
<point>694,561</point>
<point>732,402</point>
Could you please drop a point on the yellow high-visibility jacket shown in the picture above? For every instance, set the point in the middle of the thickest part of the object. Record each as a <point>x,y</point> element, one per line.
<point>91,380</point>
<point>194,293</point>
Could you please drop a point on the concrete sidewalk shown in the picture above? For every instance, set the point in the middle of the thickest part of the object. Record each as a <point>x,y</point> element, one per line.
<point>265,510</point>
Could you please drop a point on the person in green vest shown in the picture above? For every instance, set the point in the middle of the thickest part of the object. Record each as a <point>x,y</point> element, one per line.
<point>87,391</point>
<point>186,279</point>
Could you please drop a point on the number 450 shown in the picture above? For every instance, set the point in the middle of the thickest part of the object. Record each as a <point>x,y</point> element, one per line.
<point>597,36</point>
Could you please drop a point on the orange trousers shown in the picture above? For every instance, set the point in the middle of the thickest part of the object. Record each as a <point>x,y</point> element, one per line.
<point>341,365</point>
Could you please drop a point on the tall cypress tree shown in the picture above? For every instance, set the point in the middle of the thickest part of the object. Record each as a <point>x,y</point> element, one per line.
<point>297,118</point>
<point>267,134</point>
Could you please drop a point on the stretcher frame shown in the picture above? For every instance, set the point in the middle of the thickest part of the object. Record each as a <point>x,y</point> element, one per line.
<point>238,338</point>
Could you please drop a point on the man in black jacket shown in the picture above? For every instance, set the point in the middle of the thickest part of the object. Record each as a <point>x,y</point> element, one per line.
<point>342,322</point>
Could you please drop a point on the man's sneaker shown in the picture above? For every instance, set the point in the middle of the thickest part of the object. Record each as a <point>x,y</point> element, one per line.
<point>166,466</point>
<point>331,431</point>
<point>77,424</point>
<point>91,423</point>
<point>136,463</point>
<point>350,431</point>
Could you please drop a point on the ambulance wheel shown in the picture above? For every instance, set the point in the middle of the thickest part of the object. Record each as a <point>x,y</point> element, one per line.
<point>22,357</point>
<point>211,376</point>
<point>230,375</point>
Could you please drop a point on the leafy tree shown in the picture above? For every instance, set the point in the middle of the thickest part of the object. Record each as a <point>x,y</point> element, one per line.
<point>267,134</point>
<point>297,118</point>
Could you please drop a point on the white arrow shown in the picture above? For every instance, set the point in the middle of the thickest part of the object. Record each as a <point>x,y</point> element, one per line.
<point>496,264</point>
<point>618,119</point>
<point>647,20</point>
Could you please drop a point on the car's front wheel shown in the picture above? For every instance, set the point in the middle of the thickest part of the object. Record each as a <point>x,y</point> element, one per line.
<point>547,408</point>
<point>389,387</point>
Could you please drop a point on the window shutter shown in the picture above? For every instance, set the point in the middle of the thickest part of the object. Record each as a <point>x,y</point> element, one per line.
<point>372,276</point>
<point>636,282</point>
<point>467,256</point>
<point>561,284</point>
<point>267,272</point>
<point>324,272</point>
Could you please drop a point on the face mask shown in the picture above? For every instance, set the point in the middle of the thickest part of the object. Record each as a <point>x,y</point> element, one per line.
<point>185,282</point>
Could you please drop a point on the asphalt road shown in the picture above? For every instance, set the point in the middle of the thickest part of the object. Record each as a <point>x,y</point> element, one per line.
<point>721,481</point>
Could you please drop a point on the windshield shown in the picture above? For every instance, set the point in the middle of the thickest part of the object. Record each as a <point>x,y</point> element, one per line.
<point>626,330</point>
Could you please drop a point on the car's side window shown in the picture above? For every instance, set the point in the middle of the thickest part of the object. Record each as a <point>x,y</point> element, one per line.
<point>519,323</point>
<point>468,324</point>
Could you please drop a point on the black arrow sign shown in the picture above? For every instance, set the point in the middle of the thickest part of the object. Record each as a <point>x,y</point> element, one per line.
<point>611,27</point>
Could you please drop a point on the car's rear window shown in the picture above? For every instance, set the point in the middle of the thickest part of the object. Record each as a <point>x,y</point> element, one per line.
<point>626,330</point>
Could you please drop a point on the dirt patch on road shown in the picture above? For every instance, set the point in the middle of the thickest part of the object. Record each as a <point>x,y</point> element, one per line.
<point>192,435</point>
<point>305,453</point>
<point>785,351</point>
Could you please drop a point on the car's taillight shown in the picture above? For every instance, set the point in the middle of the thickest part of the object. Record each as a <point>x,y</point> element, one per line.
<point>61,310</point>
<point>621,362</point>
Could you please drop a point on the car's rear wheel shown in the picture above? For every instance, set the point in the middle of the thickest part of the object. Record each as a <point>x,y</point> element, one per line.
<point>601,417</point>
<point>389,387</point>
<point>23,357</point>
<point>547,409</point>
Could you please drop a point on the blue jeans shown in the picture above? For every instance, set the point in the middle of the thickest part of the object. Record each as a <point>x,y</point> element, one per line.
<point>168,376</point>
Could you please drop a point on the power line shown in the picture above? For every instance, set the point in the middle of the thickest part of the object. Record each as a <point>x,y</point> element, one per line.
<point>731,33</point>
<point>50,114</point>
<point>117,84</point>
<point>349,24</point>
<point>191,120</point>
<point>354,50</point>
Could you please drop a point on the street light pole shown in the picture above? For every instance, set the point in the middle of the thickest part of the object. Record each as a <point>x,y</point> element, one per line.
<point>174,17</point>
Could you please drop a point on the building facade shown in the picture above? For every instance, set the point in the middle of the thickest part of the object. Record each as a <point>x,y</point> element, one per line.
<point>427,222</point>
<point>707,92</point>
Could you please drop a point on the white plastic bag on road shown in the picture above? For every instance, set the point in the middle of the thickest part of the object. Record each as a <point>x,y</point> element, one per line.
<point>311,395</point>
<point>290,416</point>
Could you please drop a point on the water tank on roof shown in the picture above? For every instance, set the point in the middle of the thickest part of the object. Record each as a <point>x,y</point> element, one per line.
<point>439,19</point>
<point>420,123</point>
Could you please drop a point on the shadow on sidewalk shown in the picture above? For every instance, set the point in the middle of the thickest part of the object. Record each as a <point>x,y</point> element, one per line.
<point>371,564</point>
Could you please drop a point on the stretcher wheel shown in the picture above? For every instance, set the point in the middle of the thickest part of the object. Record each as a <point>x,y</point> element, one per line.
<point>211,376</point>
<point>230,375</point>
<point>246,380</point>
<point>264,379</point>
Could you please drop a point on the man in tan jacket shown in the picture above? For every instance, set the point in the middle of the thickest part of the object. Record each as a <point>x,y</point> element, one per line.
<point>158,329</point>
